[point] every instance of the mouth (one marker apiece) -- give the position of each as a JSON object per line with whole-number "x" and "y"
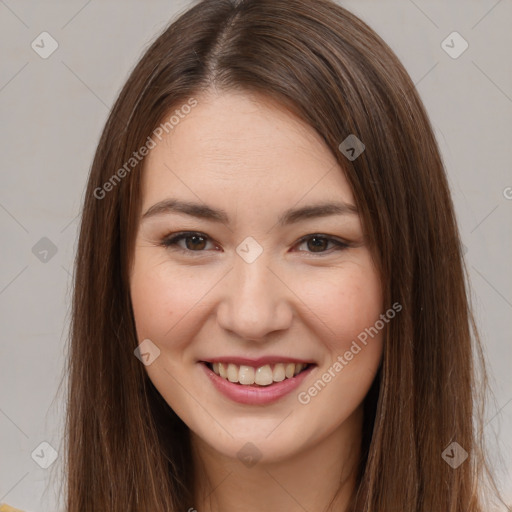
{"x": 257, "y": 376}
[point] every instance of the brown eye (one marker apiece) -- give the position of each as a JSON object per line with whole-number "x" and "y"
{"x": 319, "y": 243}
{"x": 194, "y": 242}
{"x": 197, "y": 243}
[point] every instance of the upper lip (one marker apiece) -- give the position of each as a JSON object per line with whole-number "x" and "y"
{"x": 257, "y": 362}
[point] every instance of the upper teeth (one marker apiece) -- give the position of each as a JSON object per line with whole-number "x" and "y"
{"x": 264, "y": 375}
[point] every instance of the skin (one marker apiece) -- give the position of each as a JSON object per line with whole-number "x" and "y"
{"x": 247, "y": 155}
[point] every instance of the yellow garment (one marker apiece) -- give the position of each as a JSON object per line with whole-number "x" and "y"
{"x": 7, "y": 508}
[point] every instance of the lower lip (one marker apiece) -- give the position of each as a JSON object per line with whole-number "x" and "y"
{"x": 256, "y": 395}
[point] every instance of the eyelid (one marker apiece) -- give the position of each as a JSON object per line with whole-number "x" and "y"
{"x": 170, "y": 242}
{"x": 330, "y": 238}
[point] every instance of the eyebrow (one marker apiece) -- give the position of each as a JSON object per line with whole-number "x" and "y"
{"x": 290, "y": 216}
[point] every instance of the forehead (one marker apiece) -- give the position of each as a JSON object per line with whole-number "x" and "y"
{"x": 240, "y": 143}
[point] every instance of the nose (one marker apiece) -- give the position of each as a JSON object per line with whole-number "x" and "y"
{"x": 256, "y": 301}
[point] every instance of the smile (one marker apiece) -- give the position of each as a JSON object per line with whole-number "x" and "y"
{"x": 257, "y": 376}
{"x": 257, "y": 382}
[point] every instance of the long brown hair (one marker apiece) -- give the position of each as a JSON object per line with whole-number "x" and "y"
{"x": 126, "y": 449}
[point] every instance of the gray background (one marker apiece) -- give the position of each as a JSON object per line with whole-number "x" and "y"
{"x": 53, "y": 111}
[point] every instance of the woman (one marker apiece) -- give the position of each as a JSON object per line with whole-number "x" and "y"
{"x": 270, "y": 308}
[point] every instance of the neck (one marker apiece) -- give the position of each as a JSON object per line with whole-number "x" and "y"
{"x": 317, "y": 478}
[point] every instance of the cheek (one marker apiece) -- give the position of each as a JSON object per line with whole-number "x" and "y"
{"x": 167, "y": 301}
{"x": 159, "y": 297}
{"x": 349, "y": 305}
{"x": 344, "y": 302}
{"x": 341, "y": 302}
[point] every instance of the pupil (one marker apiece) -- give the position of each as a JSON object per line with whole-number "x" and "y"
{"x": 315, "y": 242}
{"x": 318, "y": 245}
{"x": 195, "y": 238}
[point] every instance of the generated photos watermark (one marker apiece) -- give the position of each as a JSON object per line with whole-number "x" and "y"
{"x": 304, "y": 397}
{"x": 138, "y": 156}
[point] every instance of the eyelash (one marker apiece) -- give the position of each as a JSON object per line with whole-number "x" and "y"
{"x": 171, "y": 241}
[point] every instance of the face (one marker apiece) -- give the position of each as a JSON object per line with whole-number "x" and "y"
{"x": 254, "y": 302}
